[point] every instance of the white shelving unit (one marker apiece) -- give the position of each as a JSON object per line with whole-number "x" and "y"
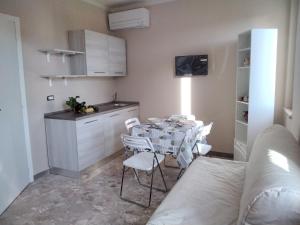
{"x": 255, "y": 78}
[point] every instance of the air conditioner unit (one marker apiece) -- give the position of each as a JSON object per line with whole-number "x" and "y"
{"x": 135, "y": 18}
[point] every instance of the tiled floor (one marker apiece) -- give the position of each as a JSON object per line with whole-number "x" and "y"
{"x": 92, "y": 200}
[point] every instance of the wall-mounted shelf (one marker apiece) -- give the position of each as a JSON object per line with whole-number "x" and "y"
{"x": 61, "y": 52}
{"x": 242, "y": 102}
{"x": 64, "y": 77}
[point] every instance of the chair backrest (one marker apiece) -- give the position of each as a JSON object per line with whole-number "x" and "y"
{"x": 131, "y": 123}
{"x": 204, "y": 131}
{"x": 137, "y": 143}
{"x": 182, "y": 117}
{"x": 185, "y": 155}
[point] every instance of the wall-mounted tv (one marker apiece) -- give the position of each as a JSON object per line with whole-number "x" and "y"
{"x": 191, "y": 65}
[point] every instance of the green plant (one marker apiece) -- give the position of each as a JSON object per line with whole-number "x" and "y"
{"x": 74, "y": 105}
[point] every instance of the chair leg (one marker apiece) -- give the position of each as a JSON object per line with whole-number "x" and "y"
{"x": 161, "y": 173}
{"x": 198, "y": 151}
{"x": 151, "y": 184}
{"x": 151, "y": 187}
{"x": 123, "y": 173}
{"x": 180, "y": 173}
{"x": 150, "y": 195}
{"x": 137, "y": 177}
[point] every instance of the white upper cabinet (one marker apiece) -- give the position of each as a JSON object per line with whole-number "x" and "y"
{"x": 96, "y": 53}
{"x": 104, "y": 55}
{"x": 117, "y": 56}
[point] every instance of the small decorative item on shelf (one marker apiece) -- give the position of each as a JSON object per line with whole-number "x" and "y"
{"x": 79, "y": 107}
{"x": 247, "y": 60}
{"x": 244, "y": 98}
{"x": 245, "y": 115}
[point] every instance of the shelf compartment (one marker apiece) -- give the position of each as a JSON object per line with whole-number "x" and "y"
{"x": 244, "y": 40}
{"x": 241, "y": 132}
{"x": 244, "y": 55}
{"x": 240, "y": 109}
{"x": 242, "y": 83}
{"x": 240, "y": 150}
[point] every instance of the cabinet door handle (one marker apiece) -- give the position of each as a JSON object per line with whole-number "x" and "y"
{"x": 132, "y": 110}
{"x": 99, "y": 72}
{"x": 92, "y": 121}
{"x": 114, "y": 115}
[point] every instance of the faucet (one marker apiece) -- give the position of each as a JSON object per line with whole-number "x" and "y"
{"x": 115, "y": 97}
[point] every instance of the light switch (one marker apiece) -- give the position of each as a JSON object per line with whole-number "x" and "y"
{"x": 50, "y": 98}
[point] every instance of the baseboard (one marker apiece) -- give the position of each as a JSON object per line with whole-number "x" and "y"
{"x": 40, "y": 174}
{"x": 64, "y": 172}
{"x": 221, "y": 154}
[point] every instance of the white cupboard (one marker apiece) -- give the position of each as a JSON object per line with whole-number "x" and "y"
{"x": 76, "y": 145}
{"x": 117, "y": 56}
{"x": 105, "y": 55}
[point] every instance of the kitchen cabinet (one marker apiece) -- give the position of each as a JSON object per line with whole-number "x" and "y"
{"x": 90, "y": 141}
{"x": 74, "y": 145}
{"x": 114, "y": 125}
{"x": 117, "y": 56}
{"x": 105, "y": 55}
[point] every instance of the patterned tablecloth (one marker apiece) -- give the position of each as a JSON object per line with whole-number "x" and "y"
{"x": 171, "y": 137}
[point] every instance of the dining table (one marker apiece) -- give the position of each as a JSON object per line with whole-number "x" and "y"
{"x": 171, "y": 137}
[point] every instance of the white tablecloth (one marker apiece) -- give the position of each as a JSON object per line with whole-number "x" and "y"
{"x": 171, "y": 137}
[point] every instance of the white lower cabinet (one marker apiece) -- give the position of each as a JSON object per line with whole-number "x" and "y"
{"x": 76, "y": 145}
{"x": 90, "y": 141}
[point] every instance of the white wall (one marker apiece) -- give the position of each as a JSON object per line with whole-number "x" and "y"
{"x": 44, "y": 24}
{"x": 295, "y": 123}
{"x": 199, "y": 27}
{"x": 181, "y": 27}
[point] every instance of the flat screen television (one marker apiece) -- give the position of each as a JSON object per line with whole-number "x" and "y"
{"x": 191, "y": 65}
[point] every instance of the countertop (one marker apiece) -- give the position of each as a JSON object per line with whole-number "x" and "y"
{"x": 102, "y": 109}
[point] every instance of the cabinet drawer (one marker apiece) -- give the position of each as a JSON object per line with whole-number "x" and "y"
{"x": 91, "y": 121}
{"x": 132, "y": 112}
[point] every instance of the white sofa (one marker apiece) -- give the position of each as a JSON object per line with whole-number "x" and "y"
{"x": 264, "y": 191}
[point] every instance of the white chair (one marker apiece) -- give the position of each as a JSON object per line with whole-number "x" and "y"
{"x": 201, "y": 147}
{"x": 146, "y": 160}
{"x": 182, "y": 117}
{"x": 130, "y": 123}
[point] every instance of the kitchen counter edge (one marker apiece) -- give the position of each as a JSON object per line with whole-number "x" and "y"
{"x": 70, "y": 115}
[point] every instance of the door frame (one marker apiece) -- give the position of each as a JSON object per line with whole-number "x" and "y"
{"x": 16, "y": 21}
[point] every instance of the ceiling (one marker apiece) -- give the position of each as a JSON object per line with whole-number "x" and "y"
{"x": 112, "y": 4}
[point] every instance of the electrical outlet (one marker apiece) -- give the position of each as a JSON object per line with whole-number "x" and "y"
{"x": 50, "y": 98}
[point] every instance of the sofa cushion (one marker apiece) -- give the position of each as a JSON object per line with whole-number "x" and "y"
{"x": 271, "y": 192}
{"x": 207, "y": 194}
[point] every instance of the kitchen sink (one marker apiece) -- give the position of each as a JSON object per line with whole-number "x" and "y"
{"x": 120, "y": 104}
